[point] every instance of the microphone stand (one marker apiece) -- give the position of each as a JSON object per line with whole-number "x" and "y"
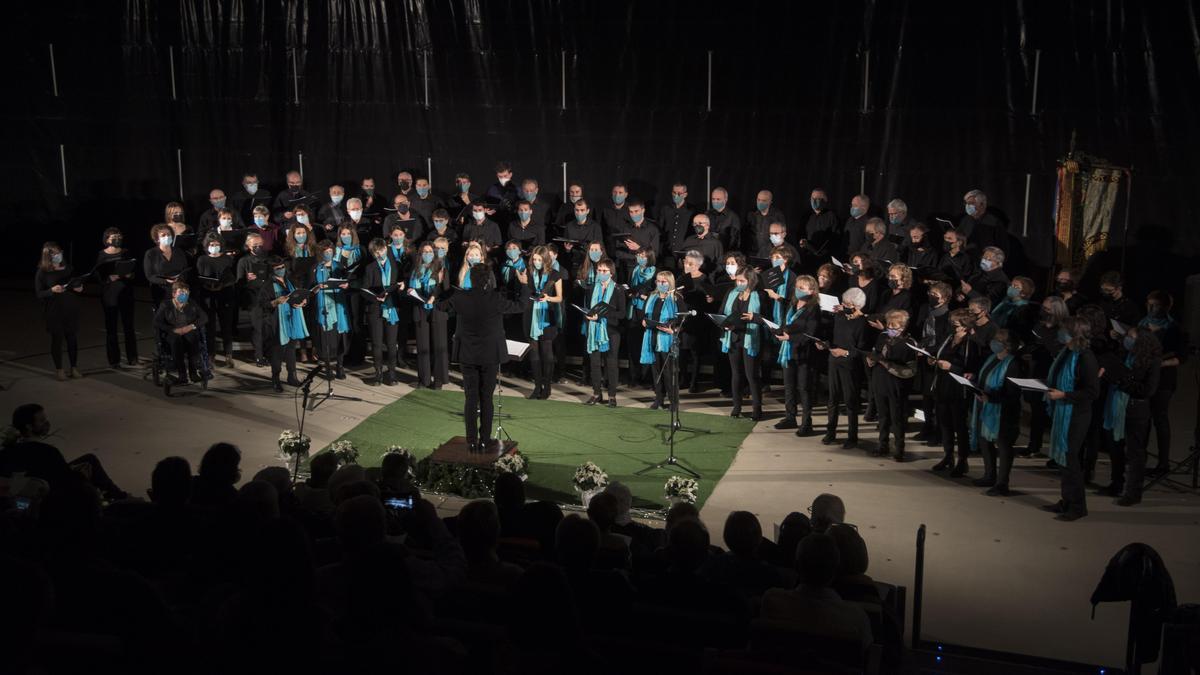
{"x": 674, "y": 426}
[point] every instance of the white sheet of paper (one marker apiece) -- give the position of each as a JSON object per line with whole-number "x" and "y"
{"x": 918, "y": 350}
{"x": 1118, "y": 326}
{"x": 770, "y": 324}
{"x": 1027, "y": 383}
{"x": 837, "y": 263}
{"x": 417, "y": 296}
{"x": 919, "y": 414}
{"x": 579, "y": 308}
{"x": 828, "y": 302}
{"x": 718, "y": 318}
{"x": 516, "y": 349}
{"x": 963, "y": 381}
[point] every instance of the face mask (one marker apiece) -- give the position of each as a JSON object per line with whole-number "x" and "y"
{"x": 260, "y": 221}
{"x": 214, "y": 250}
{"x": 762, "y": 206}
{"x": 301, "y": 237}
{"x": 524, "y": 216}
{"x": 251, "y": 188}
{"x": 574, "y": 198}
{"x": 934, "y": 300}
{"x": 225, "y": 223}
{"x": 402, "y": 209}
{"x": 892, "y": 283}
{"x": 478, "y": 216}
{"x": 580, "y": 218}
{"x": 637, "y": 217}
{"x": 439, "y": 224}
{"x": 335, "y": 199}
{"x": 731, "y": 270}
{"x": 422, "y": 192}
{"x": 503, "y": 181}
{"x": 856, "y": 211}
{"x": 816, "y": 203}
{"x": 302, "y": 219}
{"x": 256, "y": 250}
{"x": 776, "y": 239}
{"x": 368, "y": 191}
{"x": 1063, "y": 336}
{"x": 892, "y": 332}
{"x": 946, "y": 246}
{"x": 603, "y": 277}
{"x": 896, "y": 219}
{"x": 280, "y": 272}
{"x": 594, "y": 256}
{"x": 328, "y": 255}
{"x": 217, "y": 203}
{"x": 971, "y": 210}
{"x": 538, "y": 265}
{"x": 355, "y": 214}
{"x": 700, "y": 230}
{"x": 473, "y": 259}
{"x": 381, "y": 258}
{"x": 427, "y": 257}
{"x": 778, "y": 263}
{"x": 986, "y": 265}
{"x": 741, "y": 287}
{"x": 293, "y": 189}
{"x": 441, "y": 252}
{"x": 397, "y": 239}
{"x": 664, "y": 287}
{"x": 1064, "y": 286}
{"x": 182, "y": 298}
{"x": 405, "y": 184}
{"x": 642, "y": 260}
{"x": 1156, "y": 311}
{"x": 801, "y": 294}
{"x": 848, "y": 310}
{"x": 1013, "y": 293}
{"x": 1128, "y": 341}
{"x": 618, "y": 199}
{"x": 115, "y": 242}
{"x": 463, "y": 187}
{"x": 718, "y": 204}
{"x": 165, "y": 240}
{"x": 346, "y": 239}
{"x": 677, "y": 199}
{"x": 56, "y": 258}
{"x": 996, "y": 346}
{"x": 513, "y": 253}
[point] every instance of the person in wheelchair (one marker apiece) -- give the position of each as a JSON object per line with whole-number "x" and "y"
{"x": 180, "y": 321}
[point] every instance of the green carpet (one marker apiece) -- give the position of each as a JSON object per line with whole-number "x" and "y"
{"x": 557, "y": 436}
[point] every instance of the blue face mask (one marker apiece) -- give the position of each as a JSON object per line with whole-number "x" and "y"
{"x": 280, "y": 272}
{"x": 603, "y": 277}
{"x": 439, "y": 224}
{"x": 441, "y": 252}
{"x": 896, "y": 219}
{"x": 301, "y": 237}
{"x": 594, "y": 256}
{"x": 816, "y": 203}
{"x": 801, "y": 293}
{"x": 328, "y": 255}
{"x": 260, "y": 221}
{"x": 538, "y": 264}
{"x": 513, "y": 253}
{"x": 857, "y": 211}
{"x": 56, "y": 258}
{"x": 741, "y": 287}
{"x": 618, "y": 199}
{"x": 996, "y": 346}
{"x": 335, "y": 199}
{"x": 637, "y": 217}
{"x": 218, "y": 203}
{"x": 427, "y": 257}
{"x": 182, "y": 298}
{"x": 778, "y": 263}
{"x": 642, "y": 260}
{"x": 986, "y": 265}
{"x": 1128, "y": 341}
{"x": 166, "y": 240}
{"x": 422, "y": 192}
{"x": 1013, "y": 293}
{"x": 1063, "y": 336}
{"x": 971, "y": 210}
{"x": 347, "y": 239}
{"x": 677, "y": 199}
{"x": 524, "y": 215}
{"x": 718, "y": 204}
{"x": 580, "y": 218}
{"x": 892, "y": 332}
{"x": 664, "y": 287}
{"x": 463, "y": 187}
{"x": 761, "y": 205}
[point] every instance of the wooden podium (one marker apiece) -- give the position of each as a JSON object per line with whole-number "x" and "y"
{"x": 456, "y": 451}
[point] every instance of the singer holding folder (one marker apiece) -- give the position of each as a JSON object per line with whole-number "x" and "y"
{"x": 1074, "y": 383}
{"x": 216, "y": 294}
{"x": 54, "y": 286}
{"x": 381, "y": 280}
{"x": 114, "y": 270}
{"x": 332, "y": 308}
{"x": 479, "y": 348}
{"x": 602, "y": 330}
{"x": 425, "y": 284}
{"x": 545, "y": 290}
{"x": 283, "y": 322}
{"x": 661, "y": 321}
{"x": 797, "y": 327}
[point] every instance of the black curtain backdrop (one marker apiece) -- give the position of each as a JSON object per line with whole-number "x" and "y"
{"x": 912, "y": 99}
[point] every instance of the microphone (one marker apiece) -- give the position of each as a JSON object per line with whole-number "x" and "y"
{"x": 690, "y": 312}
{"x": 312, "y": 374}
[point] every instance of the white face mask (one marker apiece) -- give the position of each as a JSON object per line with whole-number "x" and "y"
{"x": 335, "y": 199}
{"x": 303, "y": 220}
{"x": 226, "y": 224}
{"x": 251, "y": 187}
{"x": 776, "y": 239}
{"x": 356, "y": 214}
{"x": 478, "y": 215}
{"x": 214, "y": 250}
{"x": 731, "y": 270}
{"x": 504, "y": 181}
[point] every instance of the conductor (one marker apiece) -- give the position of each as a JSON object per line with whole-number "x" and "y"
{"x": 479, "y": 348}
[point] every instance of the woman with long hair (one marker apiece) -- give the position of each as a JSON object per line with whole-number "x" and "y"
{"x": 605, "y": 305}
{"x": 54, "y": 286}
{"x": 429, "y": 323}
{"x": 1042, "y": 348}
{"x": 116, "y": 298}
{"x": 662, "y": 306}
{"x": 545, "y": 287}
{"x": 741, "y": 340}
{"x": 797, "y": 323}
{"x": 996, "y": 413}
{"x": 1074, "y": 382}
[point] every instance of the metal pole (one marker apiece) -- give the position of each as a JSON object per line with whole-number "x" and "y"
{"x": 862, "y": 179}
{"x": 563, "y": 72}
{"x": 53, "y": 71}
{"x": 295, "y": 80}
{"x": 301, "y": 169}
{"x": 171, "y": 59}
{"x": 918, "y": 586}
{"x": 708, "y": 182}
{"x": 179, "y": 169}
{"x": 425, "y": 62}
{"x": 708, "y": 106}
{"x": 1037, "y": 67}
{"x": 866, "y": 77}
{"x": 1128, "y": 202}
{"x": 1025, "y": 225}
{"x": 566, "y": 197}
{"x": 62, "y": 158}
{"x": 429, "y": 169}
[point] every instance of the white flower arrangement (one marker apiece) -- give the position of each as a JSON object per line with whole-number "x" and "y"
{"x": 345, "y": 452}
{"x": 511, "y": 463}
{"x": 589, "y": 477}
{"x": 294, "y": 443}
{"x": 409, "y": 459}
{"x": 681, "y": 489}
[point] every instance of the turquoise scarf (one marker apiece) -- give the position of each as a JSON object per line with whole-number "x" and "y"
{"x": 785, "y": 347}
{"x": 331, "y": 305}
{"x": 750, "y": 341}
{"x": 1002, "y": 312}
{"x": 782, "y": 291}
{"x": 985, "y": 416}
{"x": 541, "y": 308}
{"x": 291, "y": 319}
{"x": 662, "y": 341}
{"x": 511, "y": 268}
{"x": 639, "y": 276}
{"x": 597, "y": 331}
{"x": 344, "y": 263}
{"x": 1062, "y": 378}
{"x": 1160, "y": 324}
{"x": 422, "y": 280}
{"x": 388, "y": 306}
{"x": 466, "y": 282}
{"x": 1115, "y": 406}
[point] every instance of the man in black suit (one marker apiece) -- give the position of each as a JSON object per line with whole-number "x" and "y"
{"x": 479, "y": 348}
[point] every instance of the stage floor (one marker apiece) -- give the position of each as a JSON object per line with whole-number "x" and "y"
{"x": 1000, "y": 573}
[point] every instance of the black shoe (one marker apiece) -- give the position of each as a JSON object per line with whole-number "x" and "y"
{"x": 694, "y": 388}
{"x": 293, "y": 381}
{"x": 933, "y": 441}
{"x": 946, "y": 463}
{"x": 882, "y": 450}
{"x": 656, "y": 404}
{"x": 391, "y": 380}
{"x": 984, "y": 481}
{"x": 960, "y": 469}
{"x": 595, "y": 398}
{"x": 998, "y": 491}
{"x": 1056, "y": 507}
{"x": 341, "y": 373}
{"x": 806, "y": 429}
{"x": 850, "y": 444}
{"x": 898, "y": 456}
{"x": 870, "y": 417}
{"x": 1127, "y": 500}
{"x": 787, "y": 423}
{"x": 545, "y": 392}
{"x": 437, "y": 386}
{"x": 828, "y": 439}
{"x": 535, "y": 394}
{"x": 612, "y": 401}
{"x": 1051, "y": 464}
{"x": 260, "y": 362}
{"x": 1070, "y": 516}
{"x": 277, "y": 386}
{"x": 756, "y": 415}
{"x": 736, "y": 412}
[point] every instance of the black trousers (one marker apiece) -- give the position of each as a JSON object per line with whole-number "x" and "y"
{"x": 1074, "y": 497}
{"x": 796, "y": 379}
{"x": 258, "y": 329}
{"x": 953, "y": 412}
{"x": 56, "y": 344}
{"x": 479, "y": 383}
{"x": 843, "y": 390}
{"x": 281, "y": 354}
{"x": 1160, "y": 405}
{"x": 663, "y": 378}
{"x": 221, "y": 308}
{"x": 606, "y": 364}
{"x": 185, "y": 351}
{"x": 741, "y": 363}
{"x": 122, "y": 310}
{"x": 633, "y": 345}
{"x": 541, "y": 361}
{"x": 1039, "y": 420}
{"x": 1094, "y": 441}
{"x": 332, "y": 345}
{"x": 383, "y": 338}
{"x": 891, "y": 399}
{"x": 433, "y": 359}
{"x": 997, "y": 459}
{"x": 1129, "y": 454}
{"x": 358, "y": 330}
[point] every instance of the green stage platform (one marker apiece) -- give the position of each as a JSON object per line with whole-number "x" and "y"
{"x": 557, "y": 436}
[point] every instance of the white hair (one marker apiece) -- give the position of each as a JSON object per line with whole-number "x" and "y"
{"x": 352, "y": 202}
{"x": 980, "y": 198}
{"x": 854, "y": 297}
{"x": 898, "y": 204}
{"x": 997, "y": 254}
{"x": 696, "y": 257}
{"x": 863, "y": 198}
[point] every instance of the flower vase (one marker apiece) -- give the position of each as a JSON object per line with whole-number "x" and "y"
{"x": 585, "y": 496}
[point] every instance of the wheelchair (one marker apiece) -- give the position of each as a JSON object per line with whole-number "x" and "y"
{"x": 163, "y": 366}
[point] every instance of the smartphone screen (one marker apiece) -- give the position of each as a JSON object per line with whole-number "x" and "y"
{"x": 398, "y": 502}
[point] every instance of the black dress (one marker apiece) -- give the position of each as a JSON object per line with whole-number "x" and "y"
{"x": 59, "y": 310}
